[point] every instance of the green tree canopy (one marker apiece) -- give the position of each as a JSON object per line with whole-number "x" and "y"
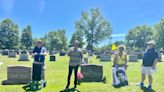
{"x": 26, "y": 37}
{"x": 95, "y": 27}
{"x": 9, "y": 35}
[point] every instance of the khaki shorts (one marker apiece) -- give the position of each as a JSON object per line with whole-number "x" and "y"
{"x": 148, "y": 70}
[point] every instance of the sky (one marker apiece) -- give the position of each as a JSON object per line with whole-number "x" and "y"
{"x": 48, "y": 15}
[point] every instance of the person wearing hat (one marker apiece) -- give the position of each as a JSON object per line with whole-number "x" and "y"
{"x": 76, "y": 56}
{"x": 148, "y": 66}
{"x": 39, "y": 52}
{"x": 120, "y": 58}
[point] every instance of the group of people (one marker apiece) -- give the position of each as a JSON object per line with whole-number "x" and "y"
{"x": 148, "y": 66}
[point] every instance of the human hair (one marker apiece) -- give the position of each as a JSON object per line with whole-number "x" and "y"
{"x": 119, "y": 71}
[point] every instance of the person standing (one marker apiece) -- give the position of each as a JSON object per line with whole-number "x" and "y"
{"x": 39, "y": 52}
{"x": 120, "y": 58}
{"x": 76, "y": 56}
{"x": 148, "y": 66}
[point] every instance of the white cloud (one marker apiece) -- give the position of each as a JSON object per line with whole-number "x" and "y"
{"x": 119, "y": 35}
{"x": 7, "y": 5}
{"x": 42, "y": 6}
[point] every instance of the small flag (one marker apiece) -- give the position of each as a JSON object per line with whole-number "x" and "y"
{"x": 114, "y": 47}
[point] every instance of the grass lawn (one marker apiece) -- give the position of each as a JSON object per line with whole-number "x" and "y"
{"x": 56, "y": 76}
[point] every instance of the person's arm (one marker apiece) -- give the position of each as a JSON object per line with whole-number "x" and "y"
{"x": 33, "y": 52}
{"x": 155, "y": 61}
{"x": 115, "y": 60}
{"x": 44, "y": 52}
{"x": 126, "y": 61}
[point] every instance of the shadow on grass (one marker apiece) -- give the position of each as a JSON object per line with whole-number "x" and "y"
{"x": 70, "y": 90}
{"x": 147, "y": 90}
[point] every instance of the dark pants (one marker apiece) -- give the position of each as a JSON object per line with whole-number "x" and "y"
{"x": 70, "y": 73}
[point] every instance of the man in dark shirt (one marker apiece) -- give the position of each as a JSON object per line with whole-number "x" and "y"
{"x": 39, "y": 53}
{"x": 149, "y": 63}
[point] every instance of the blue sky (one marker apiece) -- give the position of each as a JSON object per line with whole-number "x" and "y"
{"x": 47, "y": 15}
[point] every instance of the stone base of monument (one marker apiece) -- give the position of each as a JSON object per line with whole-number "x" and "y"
{"x": 133, "y": 58}
{"x": 92, "y": 73}
{"x": 105, "y": 57}
{"x": 18, "y": 75}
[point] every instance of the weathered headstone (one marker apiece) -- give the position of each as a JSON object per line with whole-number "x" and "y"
{"x": 12, "y": 54}
{"x": 52, "y": 58}
{"x": 5, "y": 52}
{"x": 23, "y": 57}
{"x": 90, "y": 53}
{"x": 133, "y": 58}
{"x": 160, "y": 57}
{"x": 86, "y": 60}
{"x": 62, "y": 53}
{"x": 18, "y": 75}
{"x": 92, "y": 73}
{"x": 105, "y": 57}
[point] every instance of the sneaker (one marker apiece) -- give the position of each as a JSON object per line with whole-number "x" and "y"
{"x": 149, "y": 87}
{"x": 141, "y": 84}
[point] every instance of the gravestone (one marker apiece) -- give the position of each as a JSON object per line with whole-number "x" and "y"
{"x": 92, "y": 73}
{"x": 23, "y": 57}
{"x": 90, "y": 53}
{"x": 0, "y": 51}
{"x": 84, "y": 51}
{"x": 5, "y": 52}
{"x": 133, "y": 58}
{"x": 12, "y": 54}
{"x": 52, "y": 58}
{"x": 18, "y": 75}
{"x": 51, "y": 52}
{"x": 105, "y": 57}
{"x": 24, "y": 52}
{"x": 85, "y": 60}
{"x": 62, "y": 53}
{"x": 160, "y": 57}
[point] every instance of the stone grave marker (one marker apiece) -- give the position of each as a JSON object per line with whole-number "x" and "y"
{"x": 5, "y": 52}
{"x": 92, "y": 73}
{"x": 133, "y": 58}
{"x": 52, "y": 58}
{"x": 105, "y": 57}
{"x": 18, "y": 75}
{"x": 23, "y": 57}
{"x": 86, "y": 61}
{"x": 12, "y": 54}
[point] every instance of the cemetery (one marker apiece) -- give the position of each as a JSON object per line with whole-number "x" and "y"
{"x": 81, "y": 46}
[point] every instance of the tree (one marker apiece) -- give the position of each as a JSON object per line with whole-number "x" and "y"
{"x": 138, "y": 36}
{"x": 26, "y": 37}
{"x": 159, "y": 29}
{"x": 77, "y": 35}
{"x": 96, "y": 29}
{"x": 56, "y": 39}
{"x": 9, "y": 35}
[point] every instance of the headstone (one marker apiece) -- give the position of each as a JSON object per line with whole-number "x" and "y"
{"x": 18, "y": 75}
{"x": 90, "y": 53}
{"x": 0, "y": 51}
{"x": 51, "y": 52}
{"x": 133, "y": 58}
{"x": 85, "y": 60}
{"x": 23, "y": 57}
{"x": 12, "y": 54}
{"x": 52, "y": 58}
{"x": 92, "y": 73}
{"x": 62, "y": 53}
{"x": 5, "y": 52}
{"x": 105, "y": 57}
{"x": 24, "y": 52}
{"x": 84, "y": 52}
{"x": 160, "y": 57}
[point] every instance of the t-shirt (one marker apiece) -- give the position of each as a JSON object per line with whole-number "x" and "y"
{"x": 149, "y": 57}
{"x": 75, "y": 57}
{"x": 39, "y": 58}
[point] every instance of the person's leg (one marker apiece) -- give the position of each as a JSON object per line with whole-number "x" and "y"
{"x": 43, "y": 72}
{"x": 75, "y": 73}
{"x": 69, "y": 76}
{"x": 150, "y": 81}
{"x": 143, "y": 78}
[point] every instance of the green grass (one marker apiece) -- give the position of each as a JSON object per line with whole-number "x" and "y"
{"x": 56, "y": 76}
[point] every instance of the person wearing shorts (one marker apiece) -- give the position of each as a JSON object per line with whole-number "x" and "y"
{"x": 148, "y": 66}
